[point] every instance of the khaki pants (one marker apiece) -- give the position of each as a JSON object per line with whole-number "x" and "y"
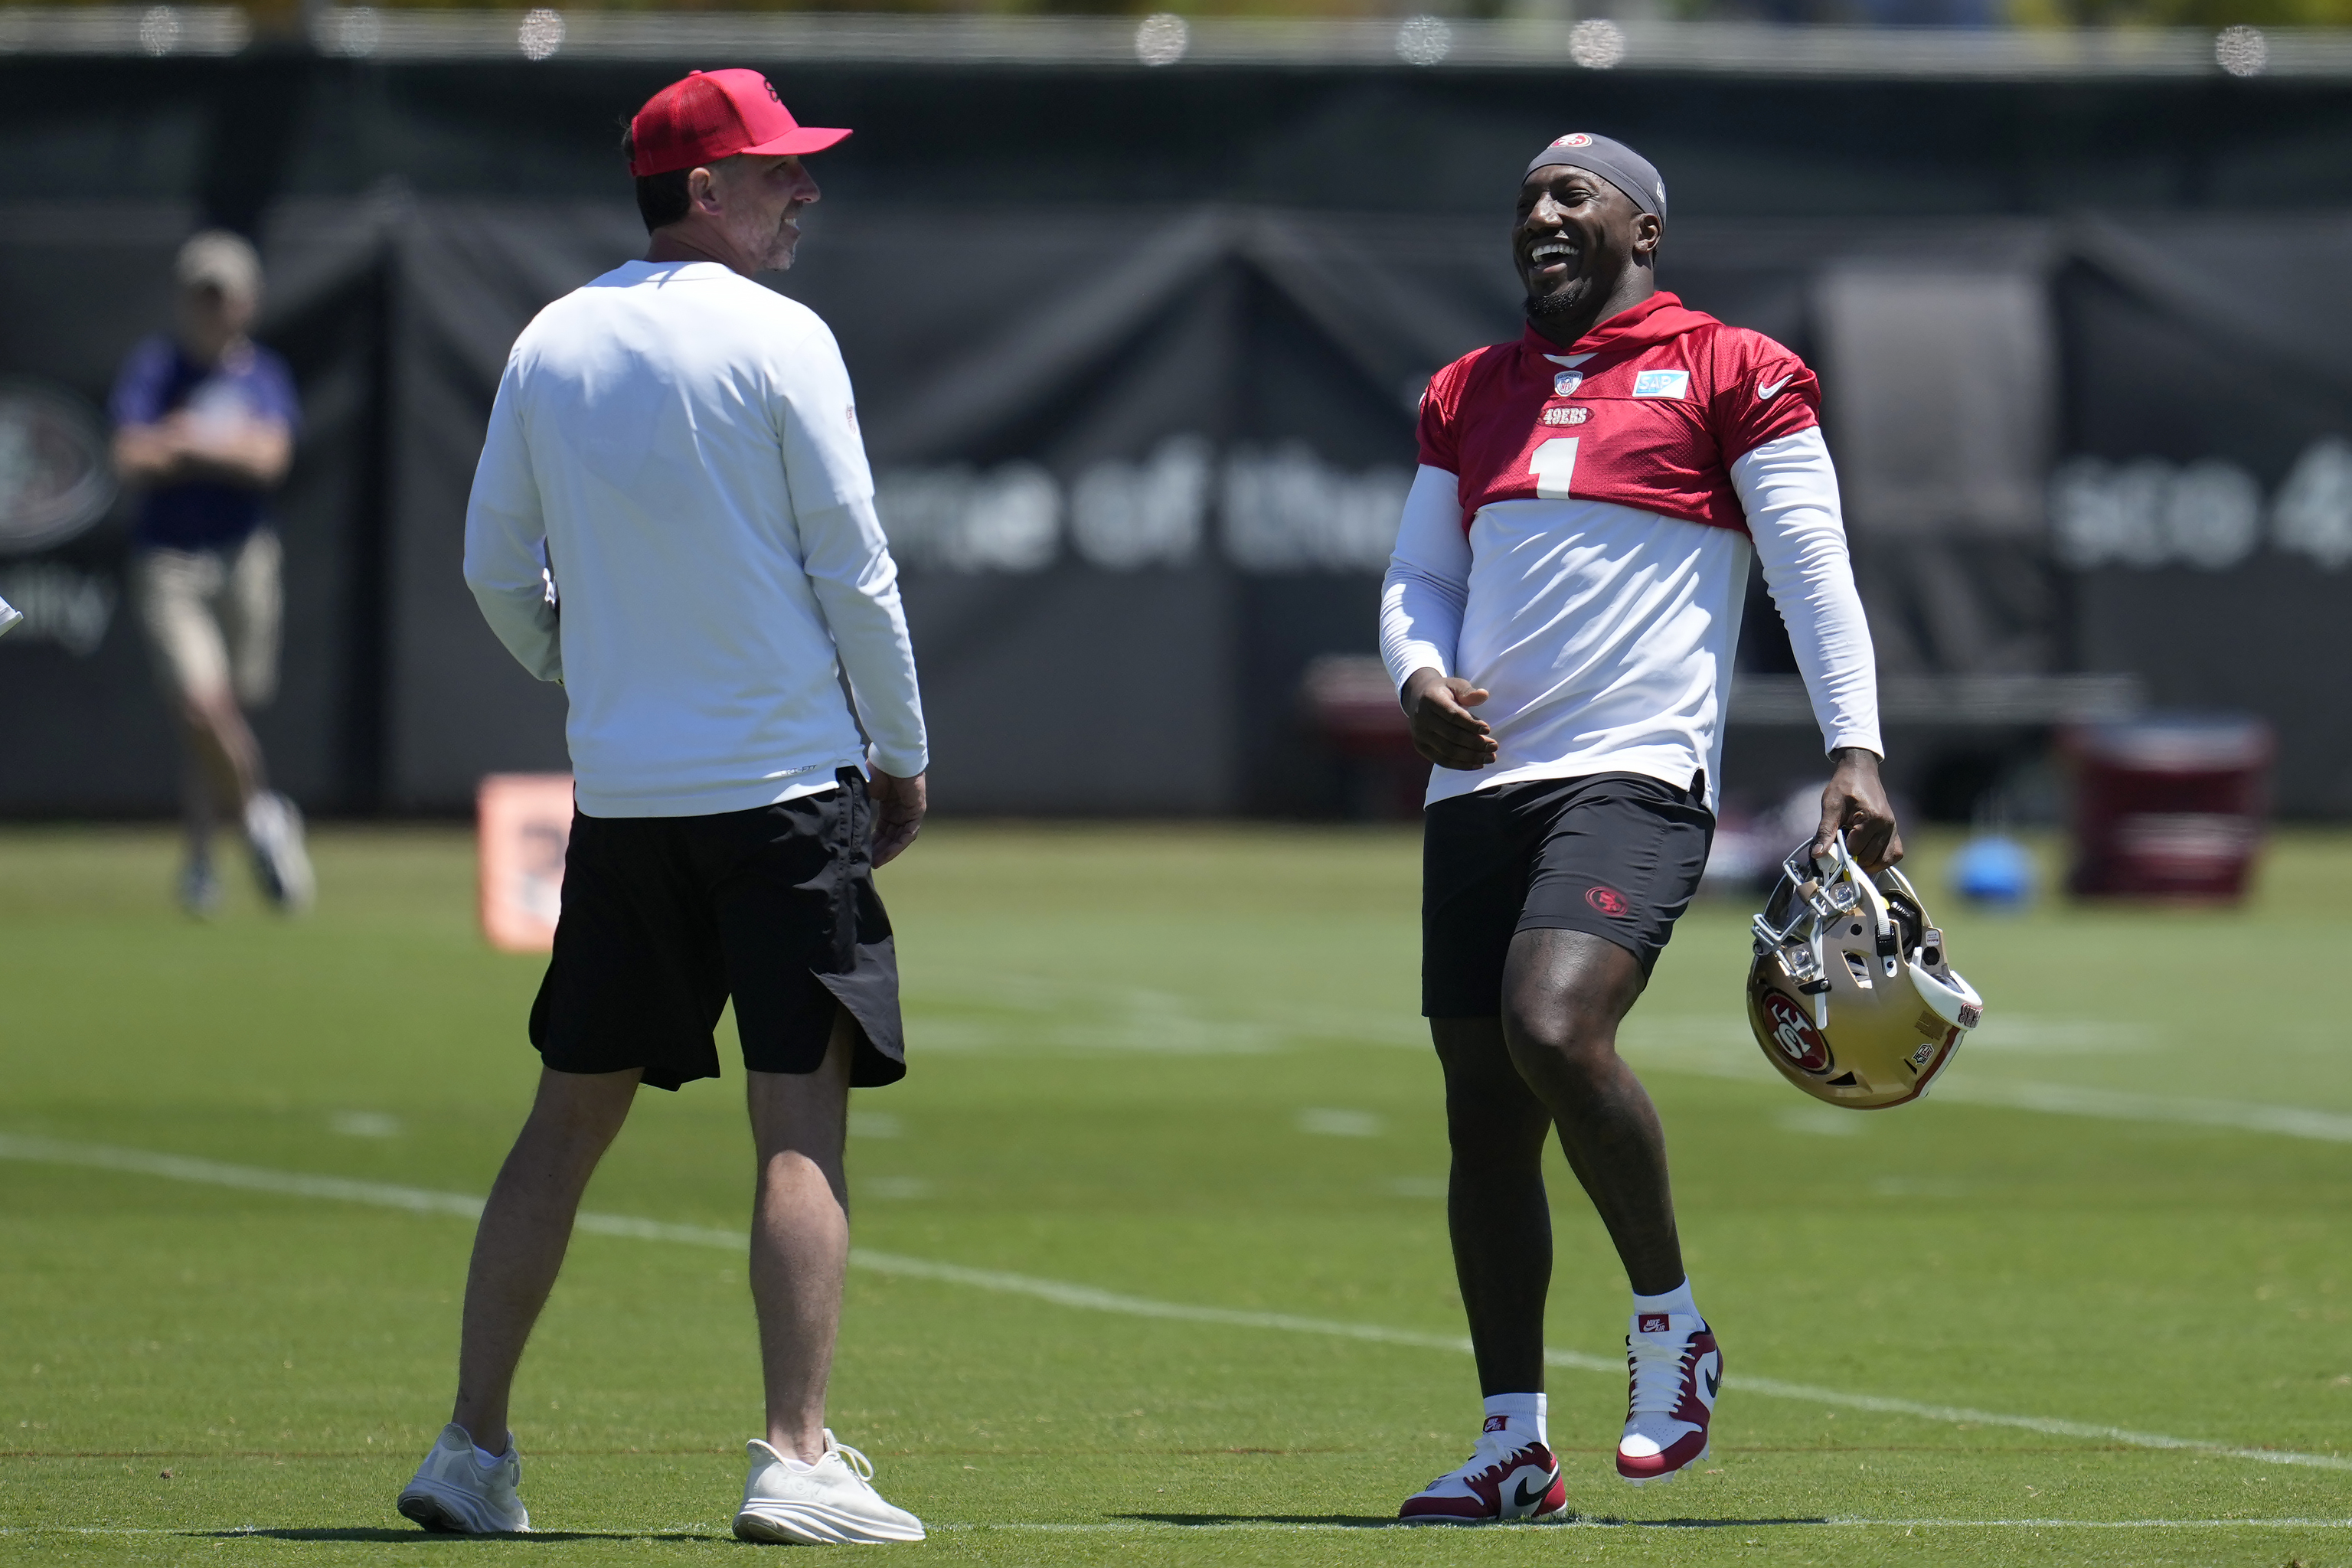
{"x": 212, "y": 618}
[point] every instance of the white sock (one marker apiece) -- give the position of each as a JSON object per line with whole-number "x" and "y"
{"x": 489, "y": 1460}
{"x": 1678, "y": 1300}
{"x": 1521, "y": 1415}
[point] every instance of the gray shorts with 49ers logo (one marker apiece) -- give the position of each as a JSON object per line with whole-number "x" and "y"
{"x": 1616, "y": 855}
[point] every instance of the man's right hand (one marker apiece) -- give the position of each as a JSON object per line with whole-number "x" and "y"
{"x": 899, "y": 808}
{"x": 1437, "y": 708}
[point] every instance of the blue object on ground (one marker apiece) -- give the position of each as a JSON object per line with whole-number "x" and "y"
{"x": 1991, "y": 869}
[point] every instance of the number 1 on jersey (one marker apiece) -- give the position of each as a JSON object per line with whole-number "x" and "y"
{"x": 1553, "y": 464}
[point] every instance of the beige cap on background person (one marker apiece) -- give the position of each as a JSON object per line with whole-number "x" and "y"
{"x": 219, "y": 259}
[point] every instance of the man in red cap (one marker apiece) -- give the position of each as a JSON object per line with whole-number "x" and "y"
{"x": 673, "y": 517}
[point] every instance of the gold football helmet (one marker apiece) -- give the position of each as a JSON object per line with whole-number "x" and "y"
{"x": 1852, "y": 996}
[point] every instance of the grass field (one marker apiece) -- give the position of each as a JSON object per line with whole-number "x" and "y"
{"x": 1173, "y": 1130}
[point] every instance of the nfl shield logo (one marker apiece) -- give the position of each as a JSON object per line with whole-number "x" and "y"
{"x": 1565, "y": 383}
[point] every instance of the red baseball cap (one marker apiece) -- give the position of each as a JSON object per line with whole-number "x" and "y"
{"x": 712, "y": 115}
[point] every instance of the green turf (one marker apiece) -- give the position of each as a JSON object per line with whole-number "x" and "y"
{"x": 1118, "y": 1035}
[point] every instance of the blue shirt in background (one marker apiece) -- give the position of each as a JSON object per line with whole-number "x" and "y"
{"x": 159, "y": 380}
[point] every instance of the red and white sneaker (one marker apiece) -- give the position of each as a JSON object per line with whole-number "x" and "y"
{"x": 1505, "y": 1477}
{"x": 1674, "y": 1372}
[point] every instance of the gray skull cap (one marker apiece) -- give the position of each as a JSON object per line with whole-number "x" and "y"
{"x": 1613, "y": 162}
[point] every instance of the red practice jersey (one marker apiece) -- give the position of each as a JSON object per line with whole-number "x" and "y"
{"x": 1649, "y": 410}
{"x": 1578, "y": 540}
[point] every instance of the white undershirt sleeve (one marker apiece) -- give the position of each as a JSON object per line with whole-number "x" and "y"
{"x": 506, "y": 544}
{"x": 1428, "y": 583}
{"x": 856, "y": 585}
{"x": 1789, "y": 488}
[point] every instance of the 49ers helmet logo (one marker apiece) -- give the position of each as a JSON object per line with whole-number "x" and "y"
{"x": 1794, "y": 1034}
{"x": 1608, "y": 902}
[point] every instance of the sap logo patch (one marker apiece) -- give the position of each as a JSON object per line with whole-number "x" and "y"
{"x": 1565, "y": 383}
{"x": 1574, "y": 139}
{"x": 1567, "y": 415}
{"x": 1662, "y": 383}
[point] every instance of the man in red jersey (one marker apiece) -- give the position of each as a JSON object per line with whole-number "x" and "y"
{"x": 1560, "y": 617}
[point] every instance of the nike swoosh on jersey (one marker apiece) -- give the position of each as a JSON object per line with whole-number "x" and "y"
{"x": 1765, "y": 391}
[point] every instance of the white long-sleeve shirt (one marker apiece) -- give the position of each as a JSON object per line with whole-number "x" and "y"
{"x": 1605, "y": 633}
{"x": 673, "y": 516}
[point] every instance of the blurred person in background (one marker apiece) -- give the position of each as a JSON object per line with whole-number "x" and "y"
{"x": 205, "y": 421}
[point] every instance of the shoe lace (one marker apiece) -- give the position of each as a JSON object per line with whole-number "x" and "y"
{"x": 1471, "y": 1469}
{"x": 1659, "y": 1369}
{"x": 859, "y": 1465}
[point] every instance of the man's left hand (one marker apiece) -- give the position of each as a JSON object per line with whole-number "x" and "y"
{"x": 1856, "y": 803}
{"x": 899, "y": 808}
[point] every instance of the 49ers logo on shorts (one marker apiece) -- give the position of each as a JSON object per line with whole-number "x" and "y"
{"x": 1794, "y": 1034}
{"x": 1608, "y": 902}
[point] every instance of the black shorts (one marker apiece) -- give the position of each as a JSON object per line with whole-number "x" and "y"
{"x": 664, "y": 918}
{"x": 1615, "y": 855}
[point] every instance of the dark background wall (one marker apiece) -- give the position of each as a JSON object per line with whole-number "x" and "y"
{"x": 1136, "y": 354}
{"x": 234, "y": 134}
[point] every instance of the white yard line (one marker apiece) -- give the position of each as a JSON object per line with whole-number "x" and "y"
{"x": 701, "y": 1528}
{"x": 1125, "y": 1526}
{"x": 2054, "y": 1099}
{"x": 1084, "y": 1298}
{"x": 2123, "y": 1105}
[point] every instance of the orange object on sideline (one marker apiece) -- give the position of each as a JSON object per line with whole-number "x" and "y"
{"x": 525, "y": 825}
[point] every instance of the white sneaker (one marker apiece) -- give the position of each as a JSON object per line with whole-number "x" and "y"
{"x": 1508, "y": 1475}
{"x": 273, "y": 825}
{"x": 1675, "y": 1371}
{"x": 199, "y": 889}
{"x": 454, "y": 1494}
{"x": 832, "y": 1502}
